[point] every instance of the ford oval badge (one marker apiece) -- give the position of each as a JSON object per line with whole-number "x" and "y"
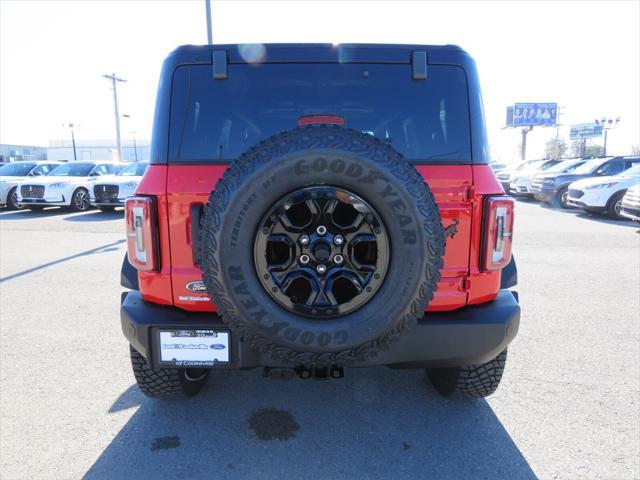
{"x": 196, "y": 287}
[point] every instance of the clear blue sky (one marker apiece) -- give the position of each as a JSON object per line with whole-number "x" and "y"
{"x": 583, "y": 55}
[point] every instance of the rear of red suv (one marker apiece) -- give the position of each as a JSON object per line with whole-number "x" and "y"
{"x": 318, "y": 207}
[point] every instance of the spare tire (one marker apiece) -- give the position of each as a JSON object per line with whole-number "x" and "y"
{"x": 321, "y": 245}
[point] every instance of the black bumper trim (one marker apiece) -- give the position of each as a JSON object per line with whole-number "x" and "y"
{"x": 112, "y": 203}
{"x": 474, "y": 334}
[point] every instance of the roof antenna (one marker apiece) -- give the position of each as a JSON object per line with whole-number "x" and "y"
{"x": 207, "y": 4}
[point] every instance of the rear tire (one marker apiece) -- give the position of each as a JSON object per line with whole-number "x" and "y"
{"x": 614, "y": 206}
{"x": 166, "y": 383}
{"x": 471, "y": 381}
{"x": 12, "y": 200}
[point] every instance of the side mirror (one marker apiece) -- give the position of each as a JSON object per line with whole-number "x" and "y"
{"x": 600, "y": 172}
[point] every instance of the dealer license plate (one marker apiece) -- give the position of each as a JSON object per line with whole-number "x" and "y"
{"x": 193, "y": 348}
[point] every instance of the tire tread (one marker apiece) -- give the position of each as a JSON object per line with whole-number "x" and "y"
{"x": 327, "y": 137}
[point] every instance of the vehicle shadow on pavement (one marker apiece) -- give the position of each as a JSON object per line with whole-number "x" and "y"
{"x": 375, "y": 423}
{"x": 610, "y": 221}
{"x": 109, "y": 247}
{"x": 594, "y": 218}
{"x": 26, "y": 213}
{"x": 96, "y": 216}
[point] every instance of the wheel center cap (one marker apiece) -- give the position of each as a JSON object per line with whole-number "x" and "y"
{"x": 322, "y": 251}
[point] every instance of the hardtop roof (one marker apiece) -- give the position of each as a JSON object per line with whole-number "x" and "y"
{"x": 317, "y": 52}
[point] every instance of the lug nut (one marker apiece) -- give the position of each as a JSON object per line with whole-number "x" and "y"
{"x": 338, "y": 240}
{"x": 304, "y": 259}
{"x": 321, "y": 269}
{"x": 338, "y": 259}
{"x": 304, "y": 240}
{"x": 321, "y": 230}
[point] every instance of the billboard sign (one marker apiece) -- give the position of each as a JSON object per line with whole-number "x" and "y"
{"x": 585, "y": 130}
{"x": 535, "y": 114}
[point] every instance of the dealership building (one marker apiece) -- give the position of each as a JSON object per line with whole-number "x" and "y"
{"x": 87, "y": 150}
{"x": 101, "y": 150}
{"x": 19, "y": 153}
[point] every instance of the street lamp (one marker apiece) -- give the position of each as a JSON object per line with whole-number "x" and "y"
{"x": 133, "y": 132}
{"x": 135, "y": 147}
{"x": 71, "y": 126}
{"x": 607, "y": 124}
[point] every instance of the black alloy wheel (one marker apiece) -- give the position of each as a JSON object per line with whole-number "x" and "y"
{"x": 321, "y": 252}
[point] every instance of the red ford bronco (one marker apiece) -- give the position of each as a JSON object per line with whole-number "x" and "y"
{"x": 313, "y": 207}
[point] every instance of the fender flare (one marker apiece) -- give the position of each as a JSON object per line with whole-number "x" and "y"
{"x": 509, "y": 276}
{"x": 128, "y": 275}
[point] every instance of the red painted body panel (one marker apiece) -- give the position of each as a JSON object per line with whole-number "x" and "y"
{"x": 458, "y": 189}
{"x": 187, "y": 185}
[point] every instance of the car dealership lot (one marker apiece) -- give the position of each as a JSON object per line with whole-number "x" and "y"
{"x": 567, "y": 407}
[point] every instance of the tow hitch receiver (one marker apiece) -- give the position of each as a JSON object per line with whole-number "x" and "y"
{"x": 317, "y": 373}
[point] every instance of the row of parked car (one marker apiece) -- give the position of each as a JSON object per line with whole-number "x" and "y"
{"x": 75, "y": 185}
{"x": 602, "y": 186}
{"x": 609, "y": 186}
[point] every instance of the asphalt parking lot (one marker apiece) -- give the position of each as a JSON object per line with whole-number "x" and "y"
{"x": 568, "y": 406}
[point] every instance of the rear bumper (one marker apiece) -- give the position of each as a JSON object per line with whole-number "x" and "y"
{"x": 43, "y": 201}
{"x": 589, "y": 208}
{"x": 474, "y": 334}
{"x": 112, "y": 202}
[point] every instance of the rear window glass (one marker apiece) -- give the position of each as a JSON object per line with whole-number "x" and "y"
{"x": 217, "y": 120}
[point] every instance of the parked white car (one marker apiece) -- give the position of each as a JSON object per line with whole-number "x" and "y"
{"x": 506, "y": 175}
{"x": 11, "y": 174}
{"x": 630, "y": 207}
{"x": 67, "y": 185}
{"x": 110, "y": 192}
{"x": 603, "y": 194}
{"x": 521, "y": 181}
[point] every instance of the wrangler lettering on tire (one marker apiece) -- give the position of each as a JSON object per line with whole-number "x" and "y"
{"x": 321, "y": 245}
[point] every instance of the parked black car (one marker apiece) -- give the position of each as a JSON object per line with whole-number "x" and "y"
{"x": 554, "y": 188}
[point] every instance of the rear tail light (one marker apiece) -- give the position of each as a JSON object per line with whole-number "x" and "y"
{"x": 498, "y": 232}
{"x": 140, "y": 216}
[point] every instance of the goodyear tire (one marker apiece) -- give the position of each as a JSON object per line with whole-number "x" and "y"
{"x": 166, "y": 383}
{"x": 405, "y": 231}
{"x": 470, "y": 381}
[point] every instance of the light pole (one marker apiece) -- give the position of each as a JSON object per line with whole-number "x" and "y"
{"x": 114, "y": 81}
{"x": 607, "y": 124}
{"x": 133, "y": 132}
{"x": 71, "y": 126}
{"x": 207, "y": 6}
{"x": 135, "y": 147}
{"x": 523, "y": 150}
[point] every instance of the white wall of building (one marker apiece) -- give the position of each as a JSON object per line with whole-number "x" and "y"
{"x": 100, "y": 150}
